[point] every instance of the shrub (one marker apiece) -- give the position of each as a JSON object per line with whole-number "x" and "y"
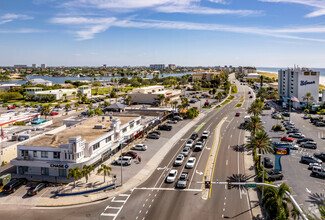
{"x": 22, "y": 123}
{"x": 277, "y": 127}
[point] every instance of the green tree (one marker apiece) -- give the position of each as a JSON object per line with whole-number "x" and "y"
{"x": 256, "y": 108}
{"x": 65, "y": 96}
{"x": 76, "y": 104}
{"x": 45, "y": 110}
{"x": 262, "y": 94}
{"x": 127, "y": 99}
{"x": 308, "y": 97}
{"x": 86, "y": 171}
{"x": 174, "y": 104}
{"x": 219, "y": 96}
{"x": 75, "y": 173}
{"x": 161, "y": 98}
{"x": 185, "y": 102}
{"x": 260, "y": 142}
{"x": 113, "y": 94}
{"x": 79, "y": 95}
{"x": 192, "y": 113}
{"x": 105, "y": 169}
{"x": 67, "y": 106}
{"x": 276, "y": 202}
{"x": 253, "y": 125}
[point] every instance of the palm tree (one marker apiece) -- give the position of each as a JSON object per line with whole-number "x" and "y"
{"x": 106, "y": 169}
{"x": 219, "y": 96}
{"x": 321, "y": 209}
{"x": 76, "y": 104}
{"x": 65, "y": 96}
{"x": 184, "y": 102}
{"x": 255, "y": 124}
{"x": 86, "y": 170}
{"x": 308, "y": 97}
{"x": 256, "y": 108}
{"x": 45, "y": 110}
{"x": 276, "y": 202}
{"x": 174, "y": 104}
{"x": 161, "y": 98}
{"x": 260, "y": 142}
{"x": 67, "y": 106}
{"x": 128, "y": 99}
{"x": 75, "y": 173}
{"x": 79, "y": 95}
{"x": 295, "y": 214}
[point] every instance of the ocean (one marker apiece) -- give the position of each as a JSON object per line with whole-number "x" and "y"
{"x": 275, "y": 70}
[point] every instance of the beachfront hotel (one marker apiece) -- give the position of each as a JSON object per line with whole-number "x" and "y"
{"x": 295, "y": 83}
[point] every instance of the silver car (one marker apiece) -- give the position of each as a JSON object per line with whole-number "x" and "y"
{"x": 179, "y": 160}
{"x": 186, "y": 151}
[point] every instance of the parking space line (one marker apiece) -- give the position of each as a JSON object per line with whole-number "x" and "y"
{"x": 44, "y": 192}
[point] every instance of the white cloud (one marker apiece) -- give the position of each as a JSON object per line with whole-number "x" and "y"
{"x": 89, "y": 27}
{"x": 319, "y": 5}
{"x": 21, "y": 31}
{"x": 9, "y": 17}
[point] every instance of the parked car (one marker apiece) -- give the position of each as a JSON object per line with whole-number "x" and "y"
{"x": 153, "y": 136}
{"x": 297, "y": 135}
{"x": 124, "y": 160}
{"x": 286, "y": 114}
{"x": 311, "y": 165}
{"x": 189, "y": 143}
{"x": 309, "y": 144}
{"x": 294, "y": 147}
{"x": 306, "y": 159}
{"x": 172, "y": 122}
{"x": 156, "y": 132}
{"x": 306, "y": 117}
{"x": 268, "y": 163}
{"x": 320, "y": 155}
{"x": 286, "y": 139}
{"x": 13, "y": 185}
{"x": 178, "y": 118}
{"x": 300, "y": 141}
{"x": 320, "y": 124}
{"x": 318, "y": 172}
{"x": 54, "y": 113}
{"x": 142, "y": 147}
{"x": 37, "y": 188}
{"x": 171, "y": 176}
{"x": 182, "y": 181}
{"x": 194, "y": 136}
{"x": 293, "y": 130}
{"x": 179, "y": 160}
{"x": 130, "y": 154}
{"x": 11, "y": 107}
{"x": 275, "y": 175}
{"x": 190, "y": 163}
{"x": 186, "y": 151}
{"x": 165, "y": 127}
{"x": 205, "y": 134}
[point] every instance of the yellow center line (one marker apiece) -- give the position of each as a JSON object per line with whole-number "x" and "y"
{"x": 215, "y": 159}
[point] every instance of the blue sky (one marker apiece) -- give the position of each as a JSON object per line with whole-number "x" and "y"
{"x": 269, "y": 33}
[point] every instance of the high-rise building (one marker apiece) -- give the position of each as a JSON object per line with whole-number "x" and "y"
{"x": 295, "y": 83}
{"x": 172, "y": 66}
{"x": 43, "y": 66}
{"x": 157, "y": 66}
{"x": 34, "y": 66}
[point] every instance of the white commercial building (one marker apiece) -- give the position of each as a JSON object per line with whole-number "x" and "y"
{"x": 43, "y": 66}
{"x": 34, "y": 66}
{"x": 296, "y": 83}
{"x": 86, "y": 143}
{"x": 41, "y": 82}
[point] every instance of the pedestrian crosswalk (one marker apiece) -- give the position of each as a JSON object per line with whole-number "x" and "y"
{"x": 111, "y": 211}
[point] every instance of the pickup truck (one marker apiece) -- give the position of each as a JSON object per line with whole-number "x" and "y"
{"x": 182, "y": 181}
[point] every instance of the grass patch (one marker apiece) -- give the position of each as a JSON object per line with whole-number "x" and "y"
{"x": 231, "y": 97}
{"x": 207, "y": 107}
{"x": 238, "y": 105}
{"x": 218, "y": 106}
{"x": 225, "y": 102}
{"x": 321, "y": 87}
{"x": 233, "y": 89}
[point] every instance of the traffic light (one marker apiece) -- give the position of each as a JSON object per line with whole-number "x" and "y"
{"x": 207, "y": 184}
{"x": 229, "y": 185}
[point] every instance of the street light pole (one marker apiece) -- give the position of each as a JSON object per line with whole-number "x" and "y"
{"x": 121, "y": 166}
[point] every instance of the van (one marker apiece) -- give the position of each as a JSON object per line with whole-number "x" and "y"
{"x": 124, "y": 161}
{"x": 318, "y": 171}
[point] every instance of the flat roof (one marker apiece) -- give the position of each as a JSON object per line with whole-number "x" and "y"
{"x": 85, "y": 130}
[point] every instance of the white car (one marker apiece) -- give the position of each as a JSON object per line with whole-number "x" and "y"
{"x": 189, "y": 143}
{"x": 171, "y": 176}
{"x": 186, "y": 151}
{"x": 179, "y": 160}
{"x": 124, "y": 161}
{"x": 311, "y": 165}
{"x": 142, "y": 147}
{"x": 205, "y": 134}
{"x": 190, "y": 163}
{"x": 172, "y": 122}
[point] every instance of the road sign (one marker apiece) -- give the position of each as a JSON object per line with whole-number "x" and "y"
{"x": 250, "y": 185}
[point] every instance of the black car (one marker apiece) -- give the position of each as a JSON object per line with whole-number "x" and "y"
{"x": 165, "y": 127}
{"x": 275, "y": 175}
{"x": 36, "y": 188}
{"x": 293, "y": 131}
{"x": 268, "y": 163}
{"x": 13, "y": 185}
{"x": 156, "y": 132}
{"x": 286, "y": 114}
{"x": 306, "y": 159}
{"x": 320, "y": 155}
{"x": 194, "y": 136}
{"x": 300, "y": 141}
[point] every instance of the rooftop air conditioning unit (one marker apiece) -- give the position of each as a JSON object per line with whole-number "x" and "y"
{"x": 99, "y": 127}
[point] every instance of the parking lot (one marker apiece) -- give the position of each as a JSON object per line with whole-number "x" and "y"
{"x": 307, "y": 189}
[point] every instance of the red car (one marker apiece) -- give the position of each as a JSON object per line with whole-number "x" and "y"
{"x": 237, "y": 114}
{"x": 286, "y": 139}
{"x": 130, "y": 154}
{"x": 54, "y": 113}
{"x": 11, "y": 107}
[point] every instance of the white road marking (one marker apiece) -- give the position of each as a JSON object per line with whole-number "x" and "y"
{"x": 231, "y": 136}
{"x": 140, "y": 211}
{"x": 308, "y": 190}
{"x": 161, "y": 168}
{"x": 200, "y": 173}
{"x": 228, "y": 147}
{"x": 119, "y": 208}
{"x": 136, "y": 217}
{"x": 226, "y": 162}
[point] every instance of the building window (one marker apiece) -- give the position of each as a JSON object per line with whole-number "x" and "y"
{"x": 44, "y": 154}
{"x": 313, "y": 73}
{"x": 96, "y": 146}
{"x": 63, "y": 172}
{"x": 35, "y": 154}
{"x": 108, "y": 139}
{"x": 131, "y": 126}
{"x": 44, "y": 171}
{"x": 24, "y": 153}
{"x": 306, "y": 73}
{"x": 56, "y": 155}
{"x": 22, "y": 170}
{"x": 124, "y": 130}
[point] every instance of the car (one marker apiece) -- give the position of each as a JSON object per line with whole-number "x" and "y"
{"x": 306, "y": 159}
{"x": 320, "y": 124}
{"x": 11, "y": 107}
{"x": 300, "y": 141}
{"x": 54, "y": 113}
{"x": 165, "y": 127}
{"x": 186, "y": 151}
{"x": 190, "y": 163}
{"x": 156, "y": 132}
{"x": 293, "y": 130}
{"x": 193, "y": 100}
{"x": 237, "y": 114}
{"x": 275, "y": 175}
{"x": 294, "y": 147}
{"x": 297, "y": 135}
{"x": 320, "y": 155}
{"x": 124, "y": 161}
{"x": 318, "y": 172}
{"x": 171, "y": 176}
{"x": 13, "y": 185}
{"x": 286, "y": 114}
{"x": 205, "y": 134}
{"x": 182, "y": 181}
{"x": 194, "y": 136}
{"x": 172, "y": 122}
{"x": 268, "y": 163}
{"x": 153, "y": 136}
{"x": 306, "y": 117}
{"x": 179, "y": 160}
{"x": 198, "y": 146}
{"x": 311, "y": 165}
{"x": 33, "y": 190}
{"x": 189, "y": 143}
{"x": 142, "y": 147}
{"x": 178, "y": 118}
{"x": 130, "y": 154}
{"x": 286, "y": 139}
{"x": 309, "y": 144}
{"x": 250, "y": 96}
{"x": 289, "y": 127}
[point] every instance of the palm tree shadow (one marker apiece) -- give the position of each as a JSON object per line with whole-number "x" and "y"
{"x": 317, "y": 198}
{"x": 239, "y": 148}
{"x": 241, "y": 178}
